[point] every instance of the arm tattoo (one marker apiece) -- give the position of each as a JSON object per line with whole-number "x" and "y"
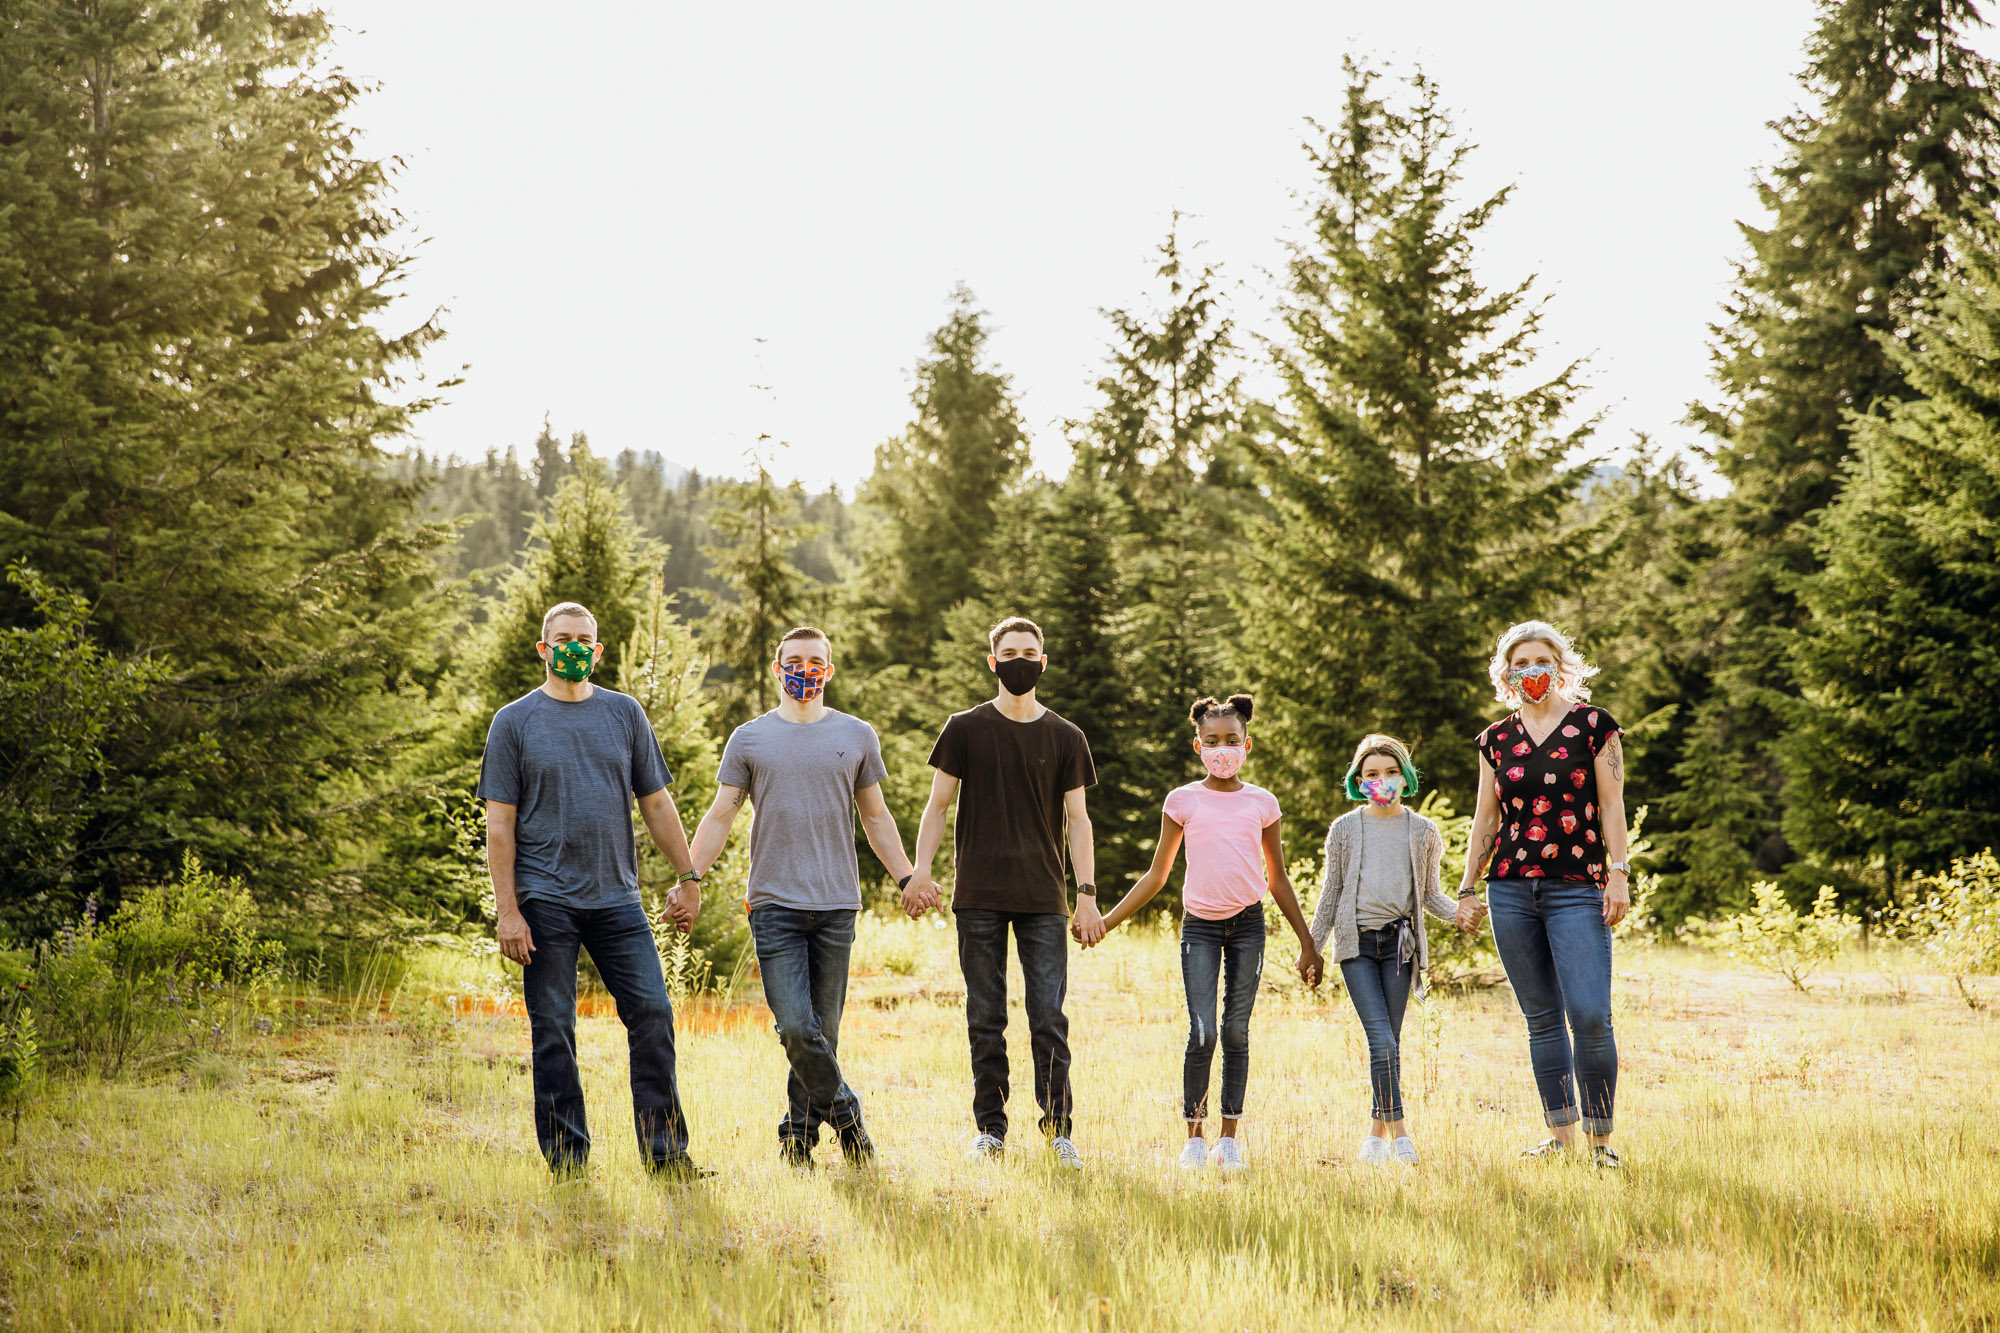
{"x": 1614, "y": 756}
{"x": 737, "y": 799}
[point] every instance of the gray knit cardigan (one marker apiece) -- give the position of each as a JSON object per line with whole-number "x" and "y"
{"x": 1340, "y": 890}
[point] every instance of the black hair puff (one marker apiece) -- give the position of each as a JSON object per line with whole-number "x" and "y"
{"x": 1239, "y": 704}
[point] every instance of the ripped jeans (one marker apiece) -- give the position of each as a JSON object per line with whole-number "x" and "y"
{"x": 1205, "y": 945}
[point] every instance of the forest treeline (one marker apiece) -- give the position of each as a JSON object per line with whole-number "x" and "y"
{"x": 241, "y": 619}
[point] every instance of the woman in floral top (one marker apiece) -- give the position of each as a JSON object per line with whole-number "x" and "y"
{"x": 1550, "y": 832}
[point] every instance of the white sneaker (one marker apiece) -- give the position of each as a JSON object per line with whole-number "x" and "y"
{"x": 1405, "y": 1149}
{"x": 1229, "y": 1155}
{"x": 985, "y": 1146}
{"x": 1066, "y": 1153}
{"x": 1374, "y": 1151}
{"x": 1195, "y": 1156}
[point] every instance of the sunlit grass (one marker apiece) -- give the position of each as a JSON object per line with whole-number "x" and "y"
{"x": 1799, "y": 1161}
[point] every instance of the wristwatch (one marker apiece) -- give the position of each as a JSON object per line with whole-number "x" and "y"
{"x": 904, "y": 882}
{"x": 687, "y": 875}
{"x": 1625, "y": 866}
{"x": 1090, "y": 889}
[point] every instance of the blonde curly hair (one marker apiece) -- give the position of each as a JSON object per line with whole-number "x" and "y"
{"x": 1572, "y": 672}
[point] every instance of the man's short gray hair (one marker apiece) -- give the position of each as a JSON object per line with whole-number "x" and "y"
{"x": 568, "y": 609}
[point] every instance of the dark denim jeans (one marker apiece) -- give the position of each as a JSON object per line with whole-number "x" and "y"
{"x": 1556, "y": 948}
{"x": 621, "y": 944}
{"x": 803, "y": 956}
{"x": 1378, "y": 981}
{"x": 1042, "y": 940}
{"x": 1204, "y": 947}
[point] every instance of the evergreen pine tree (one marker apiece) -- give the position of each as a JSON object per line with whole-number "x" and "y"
{"x": 1417, "y": 497}
{"x": 585, "y": 549}
{"x": 764, "y": 592}
{"x": 1079, "y": 598}
{"x": 193, "y": 263}
{"x": 1159, "y": 441}
{"x": 1893, "y": 749}
{"x": 933, "y": 494}
{"x": 1903, "y": 126}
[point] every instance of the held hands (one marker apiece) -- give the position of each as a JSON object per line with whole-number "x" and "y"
{"x": 920, "y": 895}
{"x": 517, "y": 942}
{"x": 683, "y": 905}
{"x": 1471, "y": 913}
{"x": 1311, "y": 966}
{"x": 1617, "y": 898}
{"x": 1087, "y": 927}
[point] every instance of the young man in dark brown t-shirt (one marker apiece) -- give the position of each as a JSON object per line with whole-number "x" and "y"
{"x": 1022, "y": 772}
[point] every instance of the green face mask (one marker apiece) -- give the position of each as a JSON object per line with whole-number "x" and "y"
{"x": 572, "y": 661}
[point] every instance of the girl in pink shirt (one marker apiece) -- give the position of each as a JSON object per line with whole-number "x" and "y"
{"x": 1234, "y": 853}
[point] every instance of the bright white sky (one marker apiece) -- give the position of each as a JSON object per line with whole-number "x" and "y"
{"x": 621, "y": 199}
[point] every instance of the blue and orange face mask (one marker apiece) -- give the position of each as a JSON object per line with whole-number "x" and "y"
{"x": 805, "y": 681}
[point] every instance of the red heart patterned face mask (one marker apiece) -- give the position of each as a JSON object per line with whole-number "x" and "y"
{"x": 1532, "y": 683}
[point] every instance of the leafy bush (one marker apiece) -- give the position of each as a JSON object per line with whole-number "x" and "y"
{"x": 1773, "y": 936}
{"x": 20, "y": 1058}
{"x": 174, "y": 966}
{"x": 1455, "y": 955}
{"x": 1956, "y": 920}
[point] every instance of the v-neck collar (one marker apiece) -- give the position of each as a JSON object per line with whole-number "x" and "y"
{"x": 1527, "y": 733}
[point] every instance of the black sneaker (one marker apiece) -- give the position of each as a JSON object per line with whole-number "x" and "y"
{"x": 1604, "y": 1158}
{"x": 856, "y": 1146}
{"x": 795, "y": 1154}
{"x": 680, "y": 1171}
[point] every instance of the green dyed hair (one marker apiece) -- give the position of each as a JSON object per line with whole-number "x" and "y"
{"x": 1377, "y": 743}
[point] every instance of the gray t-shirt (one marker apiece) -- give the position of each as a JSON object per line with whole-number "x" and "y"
{"x": 571, "y": 770}
{"x": 1388, "y": 886}
{"x": 802, "y": 778}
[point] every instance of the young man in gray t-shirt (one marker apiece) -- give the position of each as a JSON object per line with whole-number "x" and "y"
{"x": 807, "y": 769}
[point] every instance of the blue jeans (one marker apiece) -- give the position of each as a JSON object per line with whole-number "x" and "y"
{"x": 1556, "y": 948}
{"x": 1042, "y": 940}
{"x": 620, "y": 941}
{"x": 1204, "y": 947}
{"x": 1378, "y": 981}
{"x": 803, "y": 956}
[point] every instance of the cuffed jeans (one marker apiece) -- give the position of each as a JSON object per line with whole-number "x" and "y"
{"x": 1556, "y": 948}
{"x": 620, "y": 942}
{"x": 803, "y": 956}
{"x": 1205, "y": 946}
{"x": 1378, "y": 981}
{"x": 1042, "y": 941}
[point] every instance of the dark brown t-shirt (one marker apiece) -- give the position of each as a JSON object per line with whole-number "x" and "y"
{"x": 1013, "y": 777}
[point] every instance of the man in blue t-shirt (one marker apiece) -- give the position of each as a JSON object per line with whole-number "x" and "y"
{"x": 562, "y": 767}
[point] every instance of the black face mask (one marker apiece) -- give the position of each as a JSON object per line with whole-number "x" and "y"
{"x": 1019, "y": 674}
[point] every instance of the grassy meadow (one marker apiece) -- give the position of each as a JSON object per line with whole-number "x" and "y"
{"x": 1799, "y": 1160}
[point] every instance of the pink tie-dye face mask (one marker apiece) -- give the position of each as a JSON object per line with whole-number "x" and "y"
{"x": 1382, "y": 791}
{"x": 1223, "y": 761}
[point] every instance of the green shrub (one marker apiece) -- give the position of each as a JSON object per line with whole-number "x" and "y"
{"x": 20, "y": 1058}
{"x": 1773, "y": 936}
{"x": 174, "y": 967}
{"x": 1956, "y": 921}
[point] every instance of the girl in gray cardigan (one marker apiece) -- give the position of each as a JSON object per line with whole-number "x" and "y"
{"x": 1382, "y": 873}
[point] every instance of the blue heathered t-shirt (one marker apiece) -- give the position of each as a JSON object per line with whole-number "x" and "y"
{"x": 571, "y": 771}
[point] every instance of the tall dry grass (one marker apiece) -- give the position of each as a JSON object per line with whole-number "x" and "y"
{"x": 1799, "y": 1160}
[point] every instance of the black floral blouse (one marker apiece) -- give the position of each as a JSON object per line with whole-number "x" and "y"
{"x": 1549, "y": 818}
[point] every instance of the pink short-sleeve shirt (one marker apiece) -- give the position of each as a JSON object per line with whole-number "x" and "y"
{"x": 1225, "y": 846}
